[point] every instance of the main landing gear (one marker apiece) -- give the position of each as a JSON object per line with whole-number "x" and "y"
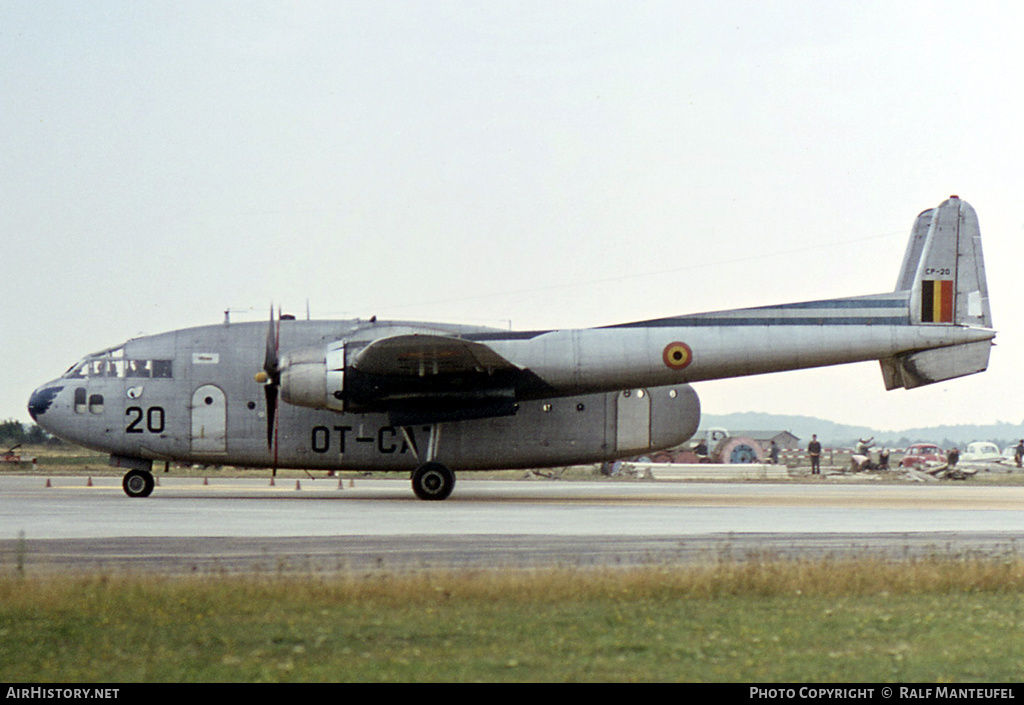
{"x": 138, "y": 483}
{"x": 431, "y": 481}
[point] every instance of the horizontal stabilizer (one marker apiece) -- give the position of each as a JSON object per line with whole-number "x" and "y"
{"x": 929, "y": 366}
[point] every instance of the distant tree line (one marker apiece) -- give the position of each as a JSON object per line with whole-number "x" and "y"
{"x": 13, "y": 432}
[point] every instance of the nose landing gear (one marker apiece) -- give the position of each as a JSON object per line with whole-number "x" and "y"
{"x": 138, "y": 483}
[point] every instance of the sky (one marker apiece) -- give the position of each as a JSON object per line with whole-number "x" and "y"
{"x": 524, "y": 164}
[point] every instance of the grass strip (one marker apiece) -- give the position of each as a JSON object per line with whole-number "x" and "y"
{"x": 754, "y": 621}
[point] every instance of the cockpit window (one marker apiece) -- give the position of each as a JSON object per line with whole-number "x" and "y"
{"x": 113, "y": 364}
{"x": 76, "y": 372}
{"x": 148, "y": 368}
{"x": 106, "y": 368}
{"x": 162, "y": 368}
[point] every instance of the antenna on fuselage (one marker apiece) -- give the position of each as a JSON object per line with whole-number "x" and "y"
{"x": 229, "y": 311}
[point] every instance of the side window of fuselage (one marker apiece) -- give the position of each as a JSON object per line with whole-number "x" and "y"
{"x": 93, "y": 403}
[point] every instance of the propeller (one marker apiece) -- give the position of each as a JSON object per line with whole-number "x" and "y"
{"x": 270, "y": 377}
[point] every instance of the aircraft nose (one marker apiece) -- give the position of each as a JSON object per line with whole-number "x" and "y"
{"x": 41, "y": 400}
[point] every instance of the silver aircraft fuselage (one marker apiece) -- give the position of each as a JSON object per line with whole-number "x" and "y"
{"x": 208, "y": 409}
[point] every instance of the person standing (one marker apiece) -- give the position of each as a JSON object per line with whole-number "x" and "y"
{"x": 1018, "y": 453}
{"x": 814, "y": 450}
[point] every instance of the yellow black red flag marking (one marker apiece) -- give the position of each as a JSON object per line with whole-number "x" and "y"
{"x": 937, "y": 301}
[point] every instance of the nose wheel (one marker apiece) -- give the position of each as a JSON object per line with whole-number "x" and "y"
{"x": 433, "y": 481}
{"x": 138, "y": 483}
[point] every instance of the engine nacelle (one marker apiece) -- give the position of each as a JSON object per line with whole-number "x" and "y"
{"x": 314, "y": 377}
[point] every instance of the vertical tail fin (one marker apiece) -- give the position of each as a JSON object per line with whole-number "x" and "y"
{"x": 943, "y": 268}
{"x": 944, "y": 273}
{"x": 912, "y": 258}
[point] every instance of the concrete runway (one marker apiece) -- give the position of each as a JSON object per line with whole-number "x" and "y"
{"x": 322, "y": 525}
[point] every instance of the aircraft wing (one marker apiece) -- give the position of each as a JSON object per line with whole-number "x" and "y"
{"x": 428, "y": 355}
{"x": 423, "y": 378}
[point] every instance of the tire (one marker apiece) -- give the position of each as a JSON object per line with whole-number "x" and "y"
{"x": 433, "y": 481}
{"x": 138, "y": 483}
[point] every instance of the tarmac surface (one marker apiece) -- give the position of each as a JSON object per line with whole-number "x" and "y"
{"x": 327, "y": 525}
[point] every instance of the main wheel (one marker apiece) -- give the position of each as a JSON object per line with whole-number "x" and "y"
{"x": 433, "y": 481}
{"x": 138, "y": 483}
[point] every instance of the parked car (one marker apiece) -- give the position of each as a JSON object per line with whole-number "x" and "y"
{"x": 921, "y": 453}
{"x": 981, "y": 451}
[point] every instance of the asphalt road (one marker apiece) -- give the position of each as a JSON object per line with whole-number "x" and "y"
{"x": 325, "y": 526}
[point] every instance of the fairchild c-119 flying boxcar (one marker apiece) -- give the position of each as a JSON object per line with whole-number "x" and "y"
{"x": 431, "y": 398}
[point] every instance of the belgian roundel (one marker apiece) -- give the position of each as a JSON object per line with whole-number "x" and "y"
{"x": 677, "y": 355}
